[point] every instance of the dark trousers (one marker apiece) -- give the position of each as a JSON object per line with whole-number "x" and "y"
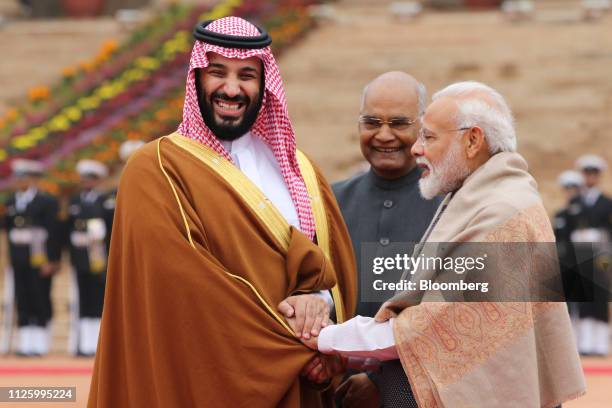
{"x": 91, "y": 293}
{"x": 393, "y": 386}
{"x": 32, "y": 294}
{"x": 597, "y": 290}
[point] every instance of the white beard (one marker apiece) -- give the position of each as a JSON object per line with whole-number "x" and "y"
{"x": 446, "y": 176}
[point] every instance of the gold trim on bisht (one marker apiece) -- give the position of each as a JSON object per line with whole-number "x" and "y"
{"x": 322, "y": 228}
{"x": 261, "y": 206}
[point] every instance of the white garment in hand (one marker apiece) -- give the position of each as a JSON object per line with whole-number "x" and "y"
{"x": 359, "y": 337}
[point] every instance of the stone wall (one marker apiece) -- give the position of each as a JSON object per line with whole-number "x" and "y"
{"x": 53, "y": 8}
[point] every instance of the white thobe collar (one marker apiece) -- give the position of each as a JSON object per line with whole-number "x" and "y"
{"x": 239, "y": 145}
{"x": 257, "y": 161}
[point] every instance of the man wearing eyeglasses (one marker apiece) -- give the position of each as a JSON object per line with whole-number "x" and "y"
{"x": 477, "y": 354}
{"x": 382, "y": 208}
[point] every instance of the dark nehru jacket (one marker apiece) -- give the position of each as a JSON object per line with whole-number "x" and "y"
{"x": 382, "y": 214}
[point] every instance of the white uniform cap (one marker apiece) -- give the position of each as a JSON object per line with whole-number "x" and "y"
{"x": 25, "y": 166}
{"x": 570, "y": 178}
{"x": 128, "y": 147}
{"x": 91, "y": 167}
{"x": 591, "y": 161}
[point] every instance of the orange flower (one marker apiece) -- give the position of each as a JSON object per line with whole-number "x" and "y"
{"x": 108, "y": 47}
{"x": 87, "y": 66}
{"x": 101, "y": 58}
{"x": 113, "y": 145}
{"x": 11, "y": 114}
{"x": 69, "y": 72}
{"x": 49, "y": 187}
{"x": 56, "y": 174}
{"x": 132, "y": 135}
{"x": 39, "y": 93}
{"x": 163, "y": 114}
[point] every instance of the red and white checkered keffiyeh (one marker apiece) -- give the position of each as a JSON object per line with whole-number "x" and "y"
{"x": 272, "y": 125}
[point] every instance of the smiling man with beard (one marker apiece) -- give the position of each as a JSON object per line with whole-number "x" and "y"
{"x": 229, "y": 111}
{"x": 221, "y": 231}
{"x": 484, "y": 353}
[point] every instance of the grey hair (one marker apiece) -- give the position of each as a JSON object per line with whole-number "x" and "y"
{"x": 495, "y": 119}
{"x": 421, "y": 97}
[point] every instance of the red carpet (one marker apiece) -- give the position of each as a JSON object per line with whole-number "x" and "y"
{"x": 44, "y": 370}
{"x": 605, "y": 370}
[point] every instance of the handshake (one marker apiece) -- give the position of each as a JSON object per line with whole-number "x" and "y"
{"x": 307, "y": 315}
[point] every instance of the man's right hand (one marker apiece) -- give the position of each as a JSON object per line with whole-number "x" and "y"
{"x": 311, "y": 314}
{"x": 358, "y": 391}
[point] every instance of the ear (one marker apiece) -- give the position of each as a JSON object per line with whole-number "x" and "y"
{"x": 475, "y": 142}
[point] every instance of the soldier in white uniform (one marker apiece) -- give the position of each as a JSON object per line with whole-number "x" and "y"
{"x": 572, "y": 183}
{"x": 591, "y": 219}
{"x": 34, "y": 248}
{"x": 89, "y": 223}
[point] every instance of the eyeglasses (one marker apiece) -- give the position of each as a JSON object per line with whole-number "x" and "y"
{"x": 374, "y": 123}
{"x": 426, "y": 135}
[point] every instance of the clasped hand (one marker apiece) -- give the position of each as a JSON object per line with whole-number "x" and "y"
{"x": 310, "y": 313}
{"x": 307, "y": 315}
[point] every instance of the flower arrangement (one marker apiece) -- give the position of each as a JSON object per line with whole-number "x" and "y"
{"x": 133, "y": 90}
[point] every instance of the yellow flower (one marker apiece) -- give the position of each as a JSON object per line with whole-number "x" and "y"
{"x": 59, "y": 123}
{"x": 147, "y": 63}
{"x": 221, "y": 10}
{"x": 38, "y": 133}
{"x": 88, "y": 103}
{"x": 73, "y": 113}
{"x": 133, "y": 75}
{"x": 22, "y": 142}
{"x": 3, "y": 155}
{"x": 109, "y": 90}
